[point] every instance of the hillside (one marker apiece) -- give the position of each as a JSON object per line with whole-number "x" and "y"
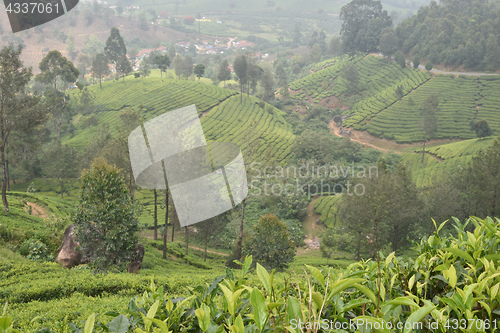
{"x": 251, "y": 124}
{"x": 376, "y": 108}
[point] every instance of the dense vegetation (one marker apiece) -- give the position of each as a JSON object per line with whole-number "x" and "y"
{"x": 454, "y": 33}
{"x": 452, "y": 282}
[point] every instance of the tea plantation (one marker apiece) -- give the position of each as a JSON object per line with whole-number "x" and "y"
{"x": 377, "y": 108}
{"x": 225, "y": 118}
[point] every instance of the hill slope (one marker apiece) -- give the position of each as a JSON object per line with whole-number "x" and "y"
{"x": 378, "y": 110}
{"x": 250, "y": 123}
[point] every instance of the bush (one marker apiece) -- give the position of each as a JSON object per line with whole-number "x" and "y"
{"x": 35, "y": 250}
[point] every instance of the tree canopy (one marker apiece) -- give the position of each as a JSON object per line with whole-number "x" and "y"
{"x": 105, "y": 224}
{"x": 363, "y": 22}
{"x": 454, "y": 33}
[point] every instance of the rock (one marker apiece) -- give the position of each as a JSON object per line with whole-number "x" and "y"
{"x": 136, "y": 262}
{"x": 68, "y": 256}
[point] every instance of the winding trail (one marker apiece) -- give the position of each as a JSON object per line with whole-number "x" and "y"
{"x": 388, "y": 146}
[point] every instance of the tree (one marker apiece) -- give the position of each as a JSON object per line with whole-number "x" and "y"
{"x": 479, "y": 183}
{"x": 19, "y": 111}
{"x": 60, "y": 162}
{"x": 270, "y": 244}
{"x": 224, "y": 72}
{"x": 482, "y": 128}
{"x": 163, "y": 62}
{"x": 429, "y": 120}
{"x": 199, "y": 71}
{"x": 100, "y": 67}
{"x": 268, "y": 85}
{"x": 356, "y": 27}
{"x": 428, "y": 66}
{"x": 187, "y": 66}
{"x": 123, "y": 67}
{"x": 209, "y": 228}
{"x": 115, "y": 48}
{"x": 55, "y": 67}
{"x": 241, "y": 70}
{"x": 388, "y": 43}
{"x": 145, "y": 67}
{"x": 351, "y": 76}
{"x": 416, "y": 61}
{"x": 104, "y": 220}
{"x": 178, "y": 63}
{"x": 335, "y": 46}
{"x": 400, "y": 59}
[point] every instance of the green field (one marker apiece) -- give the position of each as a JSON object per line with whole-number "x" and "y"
{"x": 245, "y": 123}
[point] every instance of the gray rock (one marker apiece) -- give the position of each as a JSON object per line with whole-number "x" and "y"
{"x": 68, "y": 256}
{"x": 137, "y": 257}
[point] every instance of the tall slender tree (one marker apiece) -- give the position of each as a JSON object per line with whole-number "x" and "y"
{"x": 241, "y": 69}
{"x": 429, "y": 120}
{"x": 18, "y": 109}
{"x": 100, "y": 67}
{"x": 54, "y": 67}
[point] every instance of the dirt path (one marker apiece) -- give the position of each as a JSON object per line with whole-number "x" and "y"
{"x": 37, "y": 210}
{"x": 385, "y": 145}
{"x": 311, "y": 228}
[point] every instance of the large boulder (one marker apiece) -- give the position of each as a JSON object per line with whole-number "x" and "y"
{"x": 136, "y": 262}
{"x": 68, "y": 255}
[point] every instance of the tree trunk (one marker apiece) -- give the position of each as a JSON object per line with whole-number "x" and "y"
{"x": 358, "y": 255}
{"x": 206, "y": 243}
{"x": 423, "y": 153}
{"x": 240, "y": 237}
{"x": 59, "y": 121}
{"x": 174, "y": 218}
{"x": 8, "y": 174}
{"x": 4, "y": 179}
{"x": 100, "y": 82}
{"x": 165, "y": 228}
{"x": 395, "y": 239}
{"x": 241, "y": 93}
{"x": 186, "y": 232}
{"x": 156, "y": 214}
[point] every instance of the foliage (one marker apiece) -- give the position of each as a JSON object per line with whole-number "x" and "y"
{"x": 115, "y": 48}
{"x": 400, "y": 59}
{"x": 453, "y": 33}
{"x": 363, "y": 22}
{"x": 199, "y": 70}
{"x": 55, "y": 66}
{"x": 104, "y": 220}
{"x": 100, "y": 67}
{"x": 270, "y": 243}
{"x": 452, "y": 281}
{"x": 482, "y": 128}
{"x": 19, "y": 111}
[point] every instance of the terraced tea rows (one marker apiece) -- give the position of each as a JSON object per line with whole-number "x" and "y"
{"x": 461, "y": 148}
{"x": 401, "y": 121}
{"x": 375, "y": 77}
{"x": 489, "y": 104}
{"x": 244, "y": 123}
{"x": 328, "y": 208}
